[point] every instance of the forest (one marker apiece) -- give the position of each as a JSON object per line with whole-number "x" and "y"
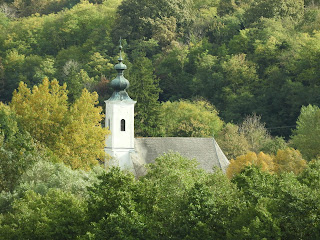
{"x": 244, "y": 71}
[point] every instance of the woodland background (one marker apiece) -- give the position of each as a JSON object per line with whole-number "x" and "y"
{"x": 246, "y": 72}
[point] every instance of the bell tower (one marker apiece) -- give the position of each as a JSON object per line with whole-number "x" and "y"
{"x": 120, "y": 121}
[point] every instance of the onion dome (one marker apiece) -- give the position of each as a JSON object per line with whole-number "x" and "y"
{"x": 120, "y": 83}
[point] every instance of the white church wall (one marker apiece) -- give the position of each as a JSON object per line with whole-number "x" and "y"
{"x": 115, "y": 113}
{"x": 120, "y": 158}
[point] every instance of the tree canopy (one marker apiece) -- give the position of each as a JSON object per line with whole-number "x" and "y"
{"x": 243, "y": 57}
{"x": 173, "y": 200}
{"x": 18, "y": 150}
{"x": 236, "y": 70}
{"x": 306, "y": 135}
{"x": 190, "y": 119}
{"x": 73, "y": 133}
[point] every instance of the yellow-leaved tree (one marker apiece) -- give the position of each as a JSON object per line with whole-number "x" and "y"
{"x": 289, "y": 160}
{"x": 42, "y": 110}
{"x": 262, "y": 160}
{"x": 73, "y": 133}
{"x": 286, "y": 160}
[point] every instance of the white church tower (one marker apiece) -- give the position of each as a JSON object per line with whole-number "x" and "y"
{"x": 120, "y": 121}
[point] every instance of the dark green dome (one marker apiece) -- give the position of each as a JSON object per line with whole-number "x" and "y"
{"x": 120, "y": 83}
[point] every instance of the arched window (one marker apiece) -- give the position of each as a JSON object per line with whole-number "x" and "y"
{"x": 123, "y": 125}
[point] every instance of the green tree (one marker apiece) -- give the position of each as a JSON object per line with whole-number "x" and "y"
{"x": 31, "y": 69}
{"x": 190, "y": 119}
{"x": 296, "y": 209}
{"x": 258, "y": 188}
{"x": 221, "y": 29}
{"x": 164, "y": 30}
{"x": 81, "y": 26}
{"x": 232, "y": 142}
{"x": 76, "y": 79}
{"x": 274, "y": 8}
{"x": 278, "y": 207}
{"x": 139, "y": 19}
{"x": 10, "y": 72}
{"x": 144, "y": 88}
{"x": 226, "y": 7}
{"x": 207, "y": 208}
{"x": 202, "y": 66}
{"x": 26, "y": 8}
{"x": 255, "y": 183}
{"x": 18, "y": 151}
{"x": 162, "y": 191}
{"x": 311, "y": 18}
{"x": 56, "y": 215}
{"x": 306, "y": 135}
{"x": 112, "y": 207}
{"x": 311, "y": 175}
{"x": 98, "y": 66}
{"x": 273, "y": 144}
{"x": 175, "y": 82}
{"x": 45, "y": 175}
{"x": 259, "y": 222}
{"x": 240, "y": 79}
{"x": 255, "y": 132}
{"x": 45, "y": 70}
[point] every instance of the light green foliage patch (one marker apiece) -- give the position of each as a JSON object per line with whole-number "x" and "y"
{"x": 306, "y": 136}
{"x": 56, "y": 215}
{"x": 190, "y": 119}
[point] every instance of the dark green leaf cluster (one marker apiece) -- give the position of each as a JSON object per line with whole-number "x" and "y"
{"x": 174, "y": 200}
{"x": 278, "y": 207}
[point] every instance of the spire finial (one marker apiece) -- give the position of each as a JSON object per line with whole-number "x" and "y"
{"x": 120, "y": 48}
{"x": 120, "y": 66}
{"x": 120, "y": 83}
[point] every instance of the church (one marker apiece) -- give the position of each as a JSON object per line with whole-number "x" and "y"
{"x": 132, "y": 154}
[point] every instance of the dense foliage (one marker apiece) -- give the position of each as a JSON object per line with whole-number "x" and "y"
{"x": 246, "y": 72}
{"x": 194, "y": 119}
{"x": 175, "y": 200}
{"x": 287, "y": 160}
{"x": 73, "y": 133}
{"x": 306, "y": 137}
{"x": 18, "y": 150}
{"x": 40, "y": 125}
{"x": 243, "y": 57}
